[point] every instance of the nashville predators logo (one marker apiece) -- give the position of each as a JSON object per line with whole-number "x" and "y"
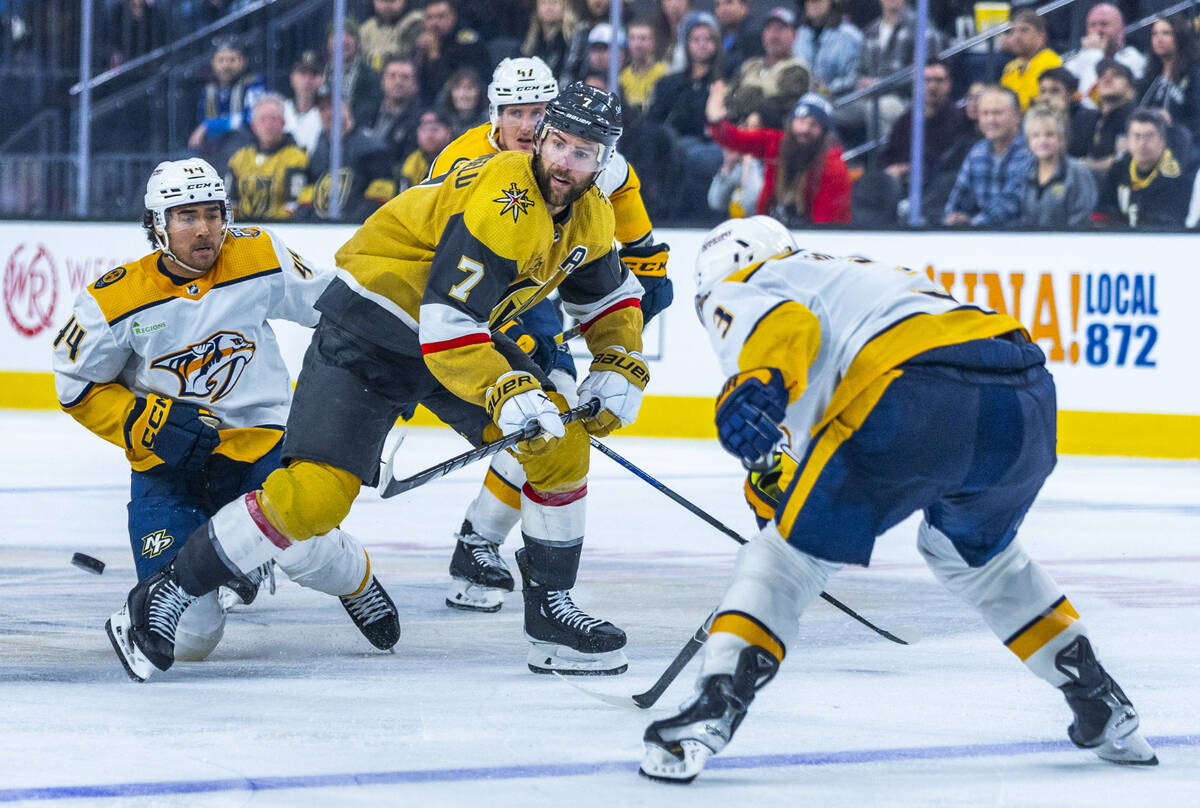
{"x": 515, "y": 201}
{"x": 155, "y": 543}
{"x": 210, "y": 368}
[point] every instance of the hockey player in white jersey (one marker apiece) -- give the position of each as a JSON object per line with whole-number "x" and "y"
{"x": 895, "y": 398}
{"x": 171, "y": 358}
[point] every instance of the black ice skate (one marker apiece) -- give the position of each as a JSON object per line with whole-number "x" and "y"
{"x": 677, "y": 748}
{"x": 374, "y": 614}
{"x": 242, "y": 591}
{"x": 565, "y": 639}
{"x": 1105, "y": 720}
{"x": 480, "y": 576}
{"x": 143, "y": 631}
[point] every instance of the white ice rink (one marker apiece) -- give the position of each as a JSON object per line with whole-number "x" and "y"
{"x": 295, "y": 708}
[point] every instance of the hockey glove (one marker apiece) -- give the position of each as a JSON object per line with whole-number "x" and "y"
{"x": 515, "y": 401}
{"x": 181, "y": 435}
{"x": 616, "y": 378}
{"x": 749, "y": 409}
{"x": 540, "y": 347}
{"x": 649, "y": 264}
{"x": 765, "y": 487}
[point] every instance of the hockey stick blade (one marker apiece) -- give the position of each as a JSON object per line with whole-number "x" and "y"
{"x": 648, "y": 698}
{"x": 395, "y": 486}
{"x": 615, "y": 701}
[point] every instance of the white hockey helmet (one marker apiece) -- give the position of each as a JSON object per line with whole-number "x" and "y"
{"x": 523, "y": 80}
{"x": 737, "y": 244}
{"x": 174, "y": 183}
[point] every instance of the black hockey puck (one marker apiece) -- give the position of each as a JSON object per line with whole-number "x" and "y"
{"x": 86, "y": 562}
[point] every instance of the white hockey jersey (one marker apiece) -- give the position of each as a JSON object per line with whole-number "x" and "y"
{"x": 833, "y": 326}
{"x": 139, "y": 331}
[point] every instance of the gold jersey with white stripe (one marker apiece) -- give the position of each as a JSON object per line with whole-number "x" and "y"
{"x": 445, "y": 263}
{"x": 140, "y": 331}
{"x": 832, "y": 326}
{"x": 618, "y": 181}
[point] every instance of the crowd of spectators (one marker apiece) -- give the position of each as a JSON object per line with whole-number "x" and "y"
{"x": 732, "y": 107}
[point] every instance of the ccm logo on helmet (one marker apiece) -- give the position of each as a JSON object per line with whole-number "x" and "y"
{"x": 719, "y": 237}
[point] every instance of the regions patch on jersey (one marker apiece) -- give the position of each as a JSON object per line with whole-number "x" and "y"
{"x": 514, "y": 200}
{"x": 110, "y": 277}
{"x": 210, "y": 368}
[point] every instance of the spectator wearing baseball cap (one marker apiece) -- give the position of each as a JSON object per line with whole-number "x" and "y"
{"x": 1026, "y": 40}
{"x": 301, "y": 118}
{"x": 770, "y": 84}
{"x": 599, "y": 46}
{"x": 1058, "y": 88}
{"x": 805, "y": 180}
{"x": 434, "y": 133}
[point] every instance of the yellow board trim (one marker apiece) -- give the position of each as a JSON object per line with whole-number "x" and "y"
{"x": 1049, "y": 626}
{"x": 1131, "y": 434}
{"x": 742, "y": 626}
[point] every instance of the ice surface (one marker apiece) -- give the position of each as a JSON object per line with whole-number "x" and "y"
{"x": 295, "y": 708}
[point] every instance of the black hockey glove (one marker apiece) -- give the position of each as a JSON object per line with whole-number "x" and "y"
{"x": 649, "y": 263}
{"x": 181, "y": 435}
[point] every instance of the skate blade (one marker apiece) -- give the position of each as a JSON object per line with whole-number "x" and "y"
{"x": 1132, "y": 750}
{"x": 549, "y": 658}
{"x": 471, "y": 597}
{"x": 661, "y": 765}
{"x": 135, "y": 663}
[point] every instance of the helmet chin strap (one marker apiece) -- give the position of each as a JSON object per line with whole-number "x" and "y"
{"x": 160, "y": 235}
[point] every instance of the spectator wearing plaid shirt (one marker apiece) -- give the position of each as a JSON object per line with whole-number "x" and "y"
{"x": 990, "y": 182}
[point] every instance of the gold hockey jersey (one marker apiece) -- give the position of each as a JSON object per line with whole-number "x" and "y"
{"x": 138, "y": 331}
{"x": 619, "y": 182}
{"x": 267, "y": 185}
{"x": 440, "y": 266}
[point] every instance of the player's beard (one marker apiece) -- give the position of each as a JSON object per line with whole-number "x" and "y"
{"x": 555, "y": 195}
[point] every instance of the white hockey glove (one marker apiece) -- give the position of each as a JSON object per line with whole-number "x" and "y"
{"x": 516, "y": 400}
{"x": 617, "y": 378}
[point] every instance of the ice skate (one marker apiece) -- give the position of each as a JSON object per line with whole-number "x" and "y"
{"x": 374, "y": 614}
{"x": 242, "y": 591}
{"x": 480, "y": 576}
{"x": 678, "y": 747}
{"x": 1105, "y": 720}
{"x": 143, "y": 631}
{"x": 565, "y": 639}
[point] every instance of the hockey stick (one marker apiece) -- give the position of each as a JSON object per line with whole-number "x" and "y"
{"x": 457, "y": 462}
{"x": 731, "y": 533}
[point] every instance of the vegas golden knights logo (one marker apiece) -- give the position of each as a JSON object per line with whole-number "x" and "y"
{"x": 321, "y": 195}
{"x": 513, "y": 303}
{"x": 254, "y": 196}
{"x": 210, "y": 368}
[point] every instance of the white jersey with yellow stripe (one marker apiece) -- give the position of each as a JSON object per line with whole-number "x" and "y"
{"x": 204, "y": 341}
{"x": 832, "y": 326}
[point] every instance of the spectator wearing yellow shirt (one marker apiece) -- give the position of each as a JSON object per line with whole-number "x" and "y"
{"x": 433, "y": 135}
{"x": 1027, "y": 42}
{"x": 638, "y": 78}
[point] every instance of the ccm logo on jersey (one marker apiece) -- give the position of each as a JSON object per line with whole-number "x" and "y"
{"x": 210, "y": 368}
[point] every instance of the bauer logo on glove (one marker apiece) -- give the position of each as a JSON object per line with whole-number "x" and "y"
{"x": 616, "y": 380}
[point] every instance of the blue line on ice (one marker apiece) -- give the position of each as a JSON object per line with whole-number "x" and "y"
{"x": 549, "y": 770}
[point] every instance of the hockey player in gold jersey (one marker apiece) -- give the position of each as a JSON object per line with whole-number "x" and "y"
{"x": 517, "y": 96}
{"x": 410, "y": 318}
{"x": 171, "y": 358}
